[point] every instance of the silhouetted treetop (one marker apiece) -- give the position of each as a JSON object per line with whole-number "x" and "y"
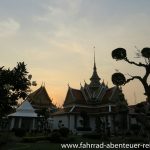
{"x": 119, "y": 78}
{"x": 14, "y": 84}
{"x": 146, "y": 52}
{"x": 119, "y": 54}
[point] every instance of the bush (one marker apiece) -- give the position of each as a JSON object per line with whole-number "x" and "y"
{"x": 66, "y": 139}
{"x": 34, "y": 139}
{"x": 55, "y": 137}
{"x": 128, "y": 133}
{"x": 64, "y": 132}
{"x": 135, "y": 128}
{"x": 60, "y": 136}
{"x": 83, "y": 129}
{"x": 136, "y": 139}
{"x": 3, "y": 138}
{"x": 92, "y": 135}
{"x": 20, "y": 132}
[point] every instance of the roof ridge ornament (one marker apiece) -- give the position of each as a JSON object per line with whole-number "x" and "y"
{"x": 68, "y": 85}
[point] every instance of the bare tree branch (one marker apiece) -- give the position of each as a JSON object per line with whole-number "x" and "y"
{"x": 136, "y": 64}
{"x": 132, "y": 78}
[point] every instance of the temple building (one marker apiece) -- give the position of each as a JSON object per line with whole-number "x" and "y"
{"x": 27, "y": 115}
{"x": 94, "y": 101}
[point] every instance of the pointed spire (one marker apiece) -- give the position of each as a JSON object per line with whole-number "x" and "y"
{"x": 95, "y": 78}
{"x": 94, "y": 58}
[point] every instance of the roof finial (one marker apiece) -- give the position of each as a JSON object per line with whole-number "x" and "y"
{"x": 103, "y": 82}
{"x": 94, "y": 58}
{"x": 80, "y": 84}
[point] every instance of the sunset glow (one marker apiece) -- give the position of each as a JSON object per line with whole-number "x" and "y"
{"x": 55, "y": 38}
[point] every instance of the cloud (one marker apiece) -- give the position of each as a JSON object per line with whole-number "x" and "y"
{"x": 8, "y": 27}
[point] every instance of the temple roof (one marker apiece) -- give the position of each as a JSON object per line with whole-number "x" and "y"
{"x": 40, "y": 99}
{"x": 24, "y": 110}
{"x": 95, "y": 93}
{"x": 74, "y": 96}
{"x": 111, "y": 96}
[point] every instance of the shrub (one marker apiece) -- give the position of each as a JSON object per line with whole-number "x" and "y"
{"x": 136, "y": 139}
{"x": 20, "y": 132}
{"x": 64, "y": 131}
{"x": 34, "y": 139}
{"x": 55, "y": 137}
{"x": 92, "y": 135}
{"x": 3, "y": 138}
{"x": 83, "y": 129}
{"x": 128, "y": 133}
{"x": 66, "y": 139}
{"x": 135, "y": 128}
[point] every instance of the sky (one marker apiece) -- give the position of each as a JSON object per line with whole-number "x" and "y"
{"x": 55, "y": 38}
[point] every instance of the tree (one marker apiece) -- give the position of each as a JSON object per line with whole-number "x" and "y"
{"x": 119, "y": 78}
{"x": 14, "y": 84}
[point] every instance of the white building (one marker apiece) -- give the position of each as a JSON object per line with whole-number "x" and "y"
{"x": 24, "y": 117}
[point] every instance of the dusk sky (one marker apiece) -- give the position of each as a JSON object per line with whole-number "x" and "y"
{"x": 55, "y": 38}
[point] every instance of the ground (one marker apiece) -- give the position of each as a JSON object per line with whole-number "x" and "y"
{"x": 42, "y": 145}
{"x": 46, "y": 145}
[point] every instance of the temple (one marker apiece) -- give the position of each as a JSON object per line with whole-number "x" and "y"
{"x": 94, "y": 101}
{"x": 28, "y": 114}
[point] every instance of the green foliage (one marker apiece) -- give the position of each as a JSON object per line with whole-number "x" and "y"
{"x": 64, "y": 131}
{"x": 14, "y": 84}
{"x": 119, "y": 54}
{"x": 20, "y": 132}
{"x": 3, "y": 138}
{"x": 136, "y": 139}
{"x": 34, "y": 139}
{"x": 55, "y": 136}
{"x": 83, "y": 129}
{"x": 91, "y": 135}
{"x": 118, "y": 79}
{"x": 135, "y": 128}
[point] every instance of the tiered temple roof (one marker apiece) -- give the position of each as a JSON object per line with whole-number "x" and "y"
{"x": 40, "y": 99}
{"x": 95, "y": 97}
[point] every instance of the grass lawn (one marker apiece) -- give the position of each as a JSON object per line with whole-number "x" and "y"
{"x": 44, "y": 145}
